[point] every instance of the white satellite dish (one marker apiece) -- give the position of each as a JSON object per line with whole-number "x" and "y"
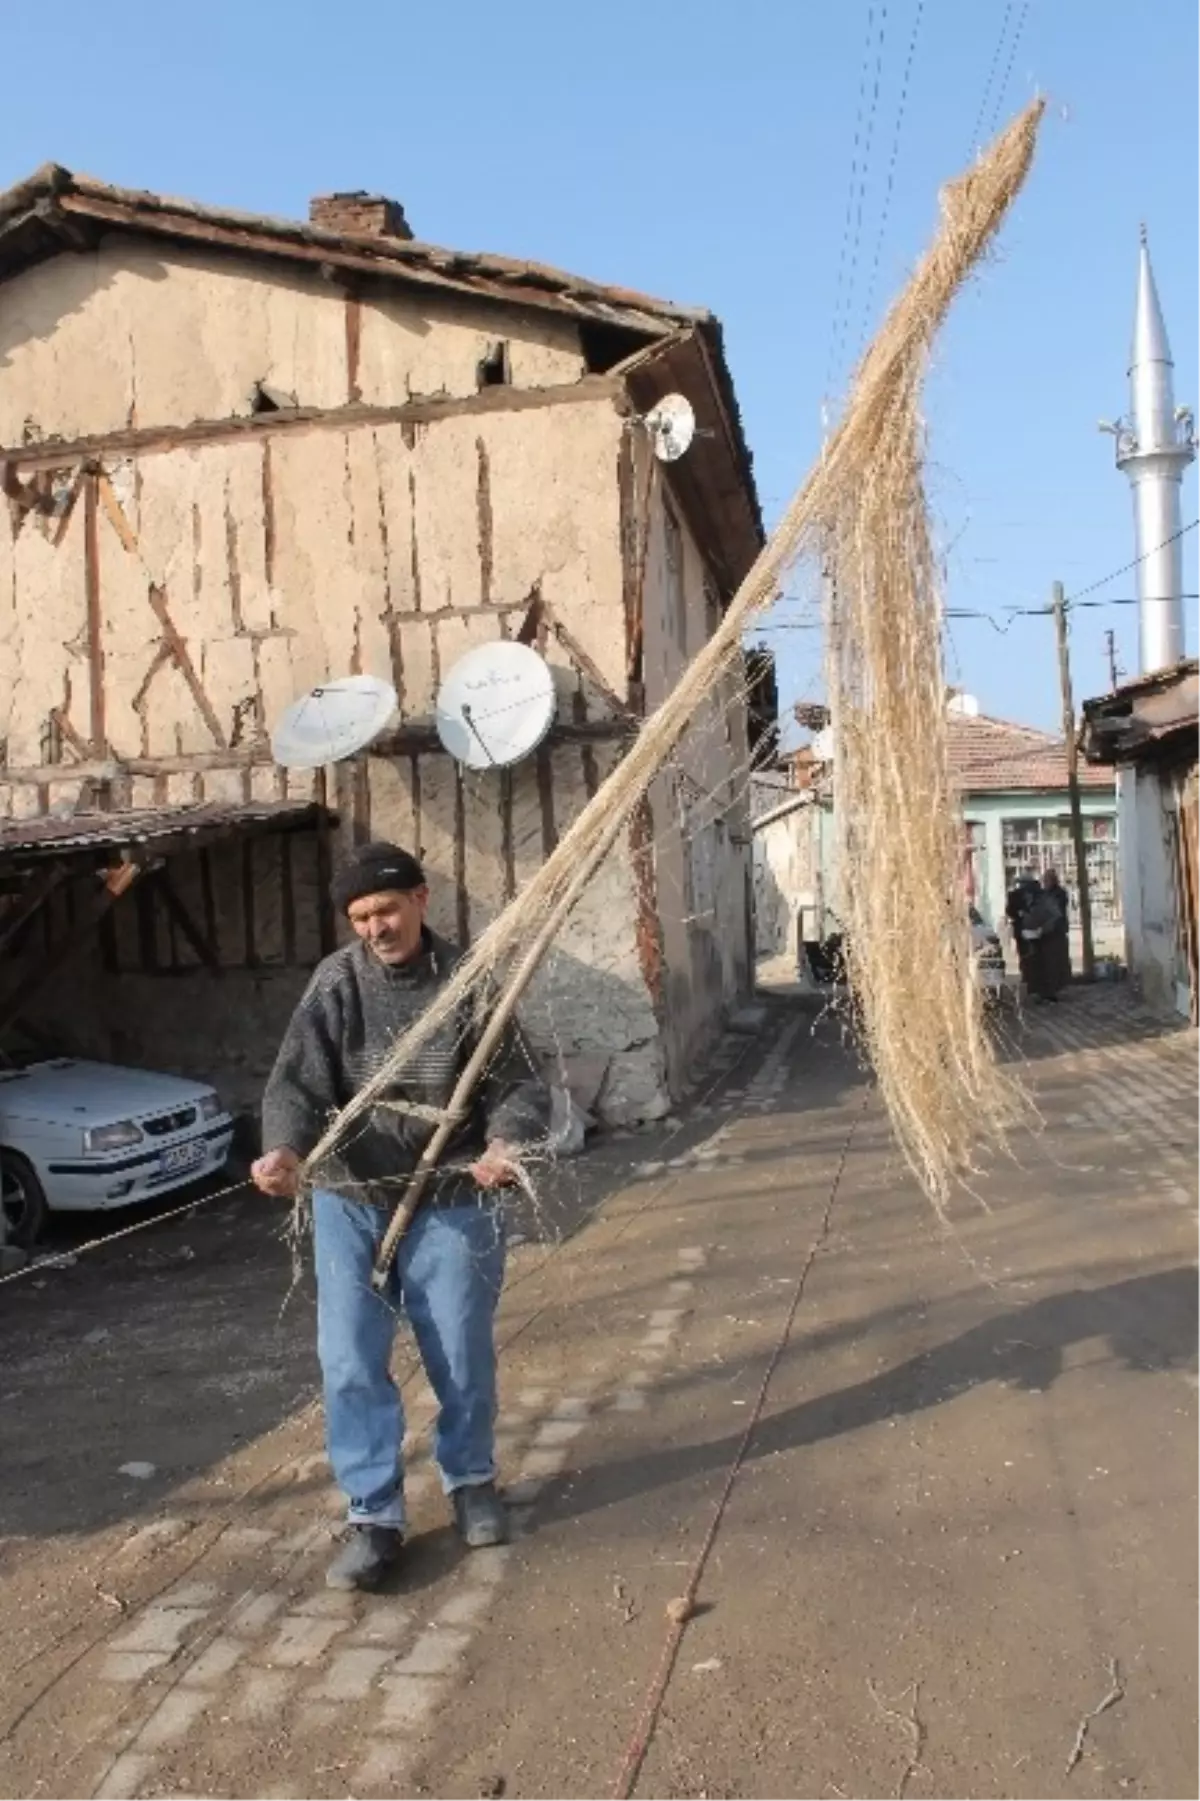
{"x": 332, "y": 721}
{"x": 672, "y": 426}
{"x": 496, "y": 705}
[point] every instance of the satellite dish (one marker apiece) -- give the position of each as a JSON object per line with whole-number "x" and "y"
{"x": 496, "y": 705}
{"x": 332, "y": 721}
{"x": 672, "y": 426}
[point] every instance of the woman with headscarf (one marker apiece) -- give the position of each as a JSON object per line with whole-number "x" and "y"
{"x": 1032, "y": 915}
{"x": 1056, "y": 954}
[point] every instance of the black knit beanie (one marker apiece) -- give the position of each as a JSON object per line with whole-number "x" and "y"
{"x": 373, "y": 869}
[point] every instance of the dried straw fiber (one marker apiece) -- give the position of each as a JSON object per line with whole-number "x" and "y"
{"x": 908, "y": 937}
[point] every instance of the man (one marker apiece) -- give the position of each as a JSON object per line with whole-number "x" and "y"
{"x": 1020, "y": 899}
{"x": 450, "y": 1265}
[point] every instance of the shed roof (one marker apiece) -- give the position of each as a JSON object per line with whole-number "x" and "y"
{"x": 160, "y": 830}
{"x": 997, "y": 756}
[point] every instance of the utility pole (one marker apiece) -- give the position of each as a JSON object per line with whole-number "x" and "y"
{"x": 1059, "y": 609}
{"x": 1110, "y": 645}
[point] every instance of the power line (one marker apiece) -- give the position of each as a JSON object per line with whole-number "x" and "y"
{"x": 862, "y": 186}
{"x": 1078, "y": 599}
{"x": 1126, "y": 567}
{"x": 864, "y": 131}
{"x": 977, "y": 130}
{"x": 1008, "y": 69}
{"x": 891, "y": 174}
{"x": 953, "y": 613}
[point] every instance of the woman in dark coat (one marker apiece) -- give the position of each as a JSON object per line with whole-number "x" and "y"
{"x": 1033, "y": 916}
{"x": 1056, "y": 941}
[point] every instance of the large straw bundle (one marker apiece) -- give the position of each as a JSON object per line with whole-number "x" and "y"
{"x": 938, "y": 1084}
{"x": 902, "y": 902}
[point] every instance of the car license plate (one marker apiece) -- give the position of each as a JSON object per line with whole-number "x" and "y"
{"x": 181, "y": 1156}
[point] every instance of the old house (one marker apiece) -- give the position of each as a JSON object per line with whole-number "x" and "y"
{"x": 1145, "y": 730}
{"x": 244, "y": 455}
{"x": 794, "y": 853}
{"x": 1012, "y": 785}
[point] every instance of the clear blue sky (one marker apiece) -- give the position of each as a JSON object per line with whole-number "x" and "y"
{"x": 704, "y": 152}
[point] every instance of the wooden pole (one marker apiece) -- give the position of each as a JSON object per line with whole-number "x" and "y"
{"x": 1059, "y": 609}
{"x": 326, "y": 921}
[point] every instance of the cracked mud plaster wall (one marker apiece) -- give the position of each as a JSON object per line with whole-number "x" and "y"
{"x": 699, "y": 805}
{"x": 589, "y": 1004}
{"x": 134, "y": 334}
{"x": 306, "y": 554}
{"x": 389, "y": 549}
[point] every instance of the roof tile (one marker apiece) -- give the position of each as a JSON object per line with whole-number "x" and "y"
{"x": 996, "y": 756}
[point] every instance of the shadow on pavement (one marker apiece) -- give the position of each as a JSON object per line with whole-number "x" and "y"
{"x": 1104, "y": 1014}
{"x": 1148, "y": 1322}
{"x": 174, "y": 1347}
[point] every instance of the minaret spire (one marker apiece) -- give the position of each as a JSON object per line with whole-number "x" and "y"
{"x": 1154, "y": 446}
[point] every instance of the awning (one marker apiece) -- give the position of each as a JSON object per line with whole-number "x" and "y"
{"x": 157, "y": 832}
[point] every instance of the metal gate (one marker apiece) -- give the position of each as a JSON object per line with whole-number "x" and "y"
{"x": 1031, "y": 846}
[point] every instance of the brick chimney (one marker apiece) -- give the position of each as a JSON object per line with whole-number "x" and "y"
{"x": 359, "y": 215}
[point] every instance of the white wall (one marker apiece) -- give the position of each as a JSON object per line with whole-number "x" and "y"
{"x": 786, "y": 867}
{"x": 1146, "y": 809}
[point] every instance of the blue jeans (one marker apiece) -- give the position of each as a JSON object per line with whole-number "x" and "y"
{"x": 447, "y": 1277}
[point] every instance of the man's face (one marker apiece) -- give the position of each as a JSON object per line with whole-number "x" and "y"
{"x": 390, "y": 923}
{"x": 1050, "y": 879}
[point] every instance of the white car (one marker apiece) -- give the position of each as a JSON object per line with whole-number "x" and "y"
{"x": 77, "y": 1136}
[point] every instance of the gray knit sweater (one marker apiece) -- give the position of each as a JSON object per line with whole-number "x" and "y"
{"x": 354, "y": 1010}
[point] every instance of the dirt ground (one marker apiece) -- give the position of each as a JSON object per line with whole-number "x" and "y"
{"x": 965, "y": 1519}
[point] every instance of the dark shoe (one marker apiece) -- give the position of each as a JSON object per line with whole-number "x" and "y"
{"x": 480, "y": 1517}
{"x": 366, "y": 1557}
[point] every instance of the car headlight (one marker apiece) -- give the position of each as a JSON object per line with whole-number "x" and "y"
{"x": 112, "y": 1138}
{"x": 210, "y": 1107}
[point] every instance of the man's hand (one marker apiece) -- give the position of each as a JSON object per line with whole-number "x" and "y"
{"x": 497, "y": 1168}
{"x": 277, "y": 1173}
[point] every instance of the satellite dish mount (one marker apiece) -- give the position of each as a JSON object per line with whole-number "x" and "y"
{"x": 496, "y": 705}
{"x": 332, "y": 721}
{"x": 672, "y": 426}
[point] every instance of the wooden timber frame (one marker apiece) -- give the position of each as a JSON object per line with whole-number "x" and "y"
{"x": 48, "y": 481}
